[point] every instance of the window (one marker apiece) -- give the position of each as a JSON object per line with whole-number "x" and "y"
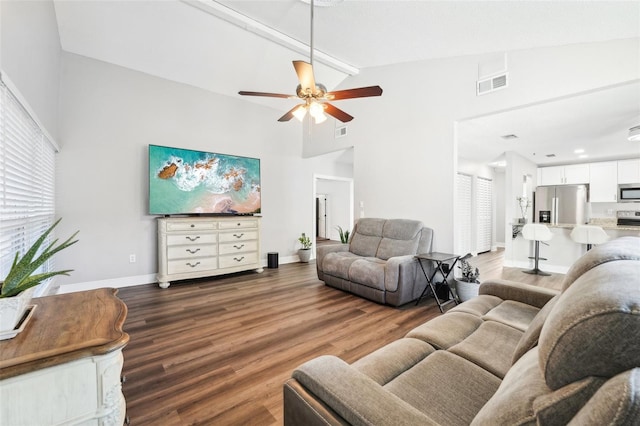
{"x": 27, "y": 181}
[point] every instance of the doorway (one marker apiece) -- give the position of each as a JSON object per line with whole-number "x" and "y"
{"x": 333, "y": 206}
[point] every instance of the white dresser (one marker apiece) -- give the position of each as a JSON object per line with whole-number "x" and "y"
{"x": 65, "y": 367}
{"x": 196, "y": 247}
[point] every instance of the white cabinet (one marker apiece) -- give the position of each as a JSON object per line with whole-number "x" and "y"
{"x": 564, "y": 175}
{"x": 603, "y": 186}
{"x": 201, "y": 247}
{"x": 629, "y": 171}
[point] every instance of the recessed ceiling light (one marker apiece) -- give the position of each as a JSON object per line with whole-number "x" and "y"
{"x": 509, "y": 137}
{"x": 634, "y": 133}
{"x": 579, "y": 151}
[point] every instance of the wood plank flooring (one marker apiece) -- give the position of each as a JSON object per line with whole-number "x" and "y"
{"x": 217, "y": 351}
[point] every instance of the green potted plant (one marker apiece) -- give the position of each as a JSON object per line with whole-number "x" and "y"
{"x": 305, "y": 252}
{"x": 344, "y": 235}
{"x": 467, "y": 285}
{"x": 17, "y": 288}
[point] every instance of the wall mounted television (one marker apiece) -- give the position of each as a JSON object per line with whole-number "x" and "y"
{"x": 188, "y": 182}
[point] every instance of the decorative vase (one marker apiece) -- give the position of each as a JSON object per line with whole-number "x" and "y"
{"x": 466, "y": 290}
{"x": 304, "y": 255}
{"x": 13, "y": 308}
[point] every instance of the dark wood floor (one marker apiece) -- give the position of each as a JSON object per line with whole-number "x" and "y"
{"x": 217, "y": 351}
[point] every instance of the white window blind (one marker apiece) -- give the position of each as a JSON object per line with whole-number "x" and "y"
{"x": 463, "y": 213}
{"x": 27, "y": 181}
{"x": 484, "y": 199}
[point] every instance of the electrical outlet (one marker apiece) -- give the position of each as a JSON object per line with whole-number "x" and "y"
{"x": 132, "y": 258}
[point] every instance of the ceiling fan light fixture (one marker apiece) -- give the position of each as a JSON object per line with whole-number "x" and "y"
{"x": 300, "y": 112}
{"x": 634, "y": 134}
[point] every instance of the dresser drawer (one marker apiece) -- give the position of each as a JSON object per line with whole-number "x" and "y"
{"x": 192, "y": 265}
{"x": 192, "y": 251}
{"x": 238, "y": 247}
{"x": 229, "y": 261}
{"x": 195, "y": 225}
{"x": 191, "y": 238}
{"x": 231, "y": 237}
{"x": 239, "y": 224}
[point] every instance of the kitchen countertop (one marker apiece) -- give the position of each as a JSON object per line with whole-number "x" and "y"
{"x": 605, "y": 225}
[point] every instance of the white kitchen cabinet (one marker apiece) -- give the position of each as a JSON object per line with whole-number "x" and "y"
{"x": 629, "y": 171}
{"x": 564, "y": 175}
{"x": 603, "y": 185}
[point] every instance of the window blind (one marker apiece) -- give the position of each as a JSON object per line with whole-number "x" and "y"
{"x": 27, "y": 181}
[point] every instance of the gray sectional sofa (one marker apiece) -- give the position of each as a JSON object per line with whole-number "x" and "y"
{"x": 514, "y": 355}
{"x": 378, "y": 263}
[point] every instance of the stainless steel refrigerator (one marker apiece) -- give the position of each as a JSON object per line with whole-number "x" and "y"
{"x": 564, "y": 204}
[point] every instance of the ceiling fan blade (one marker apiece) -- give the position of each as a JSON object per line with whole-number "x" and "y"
{"x": 361, "y": 92}
{"x": 289, "y": 115}
{"x": 305, "y": 75}
{"x": 337, "y": 113}
{"x": 270, "y": 95}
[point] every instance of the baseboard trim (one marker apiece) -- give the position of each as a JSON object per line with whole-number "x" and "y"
{"x": 136, "y": 280}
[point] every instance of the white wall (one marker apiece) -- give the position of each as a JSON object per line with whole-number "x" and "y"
{"x": 404, "y": 142}
{"x": 30, "y": 57}
{"x": 110, "y": 114}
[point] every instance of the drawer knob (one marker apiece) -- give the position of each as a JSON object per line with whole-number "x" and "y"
{"x": 192, "y": 225}
{"x": 238, "y": 247}
{"x": 238, "y": 260}
{"x": 193, "y": 265}
{"x": 193, "y": 251}
{"x": 239, "y": 224}
{"x": 192, "y": 238}
{"x": 238, "y": 235}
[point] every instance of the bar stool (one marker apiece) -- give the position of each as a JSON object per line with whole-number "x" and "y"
{"x": 589, "y": 235}
{"x": 536, "y": 232}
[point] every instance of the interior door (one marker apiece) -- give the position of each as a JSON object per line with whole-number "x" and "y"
{"x": 463, "y": 213}
{"x": 321, "y": 216}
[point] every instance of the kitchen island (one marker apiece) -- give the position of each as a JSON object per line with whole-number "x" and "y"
{"x": 561, "y": 251}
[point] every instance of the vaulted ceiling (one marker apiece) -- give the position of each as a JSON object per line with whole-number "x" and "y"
{"x": 224, "y": 46}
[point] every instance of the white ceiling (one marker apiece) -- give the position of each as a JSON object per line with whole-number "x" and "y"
{"x": 218, "y": 47}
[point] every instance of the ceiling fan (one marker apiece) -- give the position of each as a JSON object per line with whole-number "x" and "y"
{"x": 315, "y": 95}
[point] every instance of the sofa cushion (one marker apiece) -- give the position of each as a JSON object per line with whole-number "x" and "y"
{"x": 399, "y": 237}
{"x": 491, "y": 347}
{"x": 512, "y": 404}
{"x": 531, "y": 335}
{"x": 624, "y": 248}
{"x": 515, "y": 314}
{"x": 366, "y": 237}
{"x": 446, "y": 330}
{"x": 445, "y": 387}
{"x": 616, "y": 403}
{"x": 368, "y": 271}
{"x": 478, "y": 306}
{"x": 338, "y": 264}
{"x": 594, "y": 328}
{"x": 391, "y": 360}
{"x": 524, "y": 399}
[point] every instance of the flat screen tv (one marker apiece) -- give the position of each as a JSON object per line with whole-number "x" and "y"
{"x": 184, "y": 181}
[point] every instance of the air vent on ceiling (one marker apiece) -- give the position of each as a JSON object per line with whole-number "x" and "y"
{"x": 550, "y": 155}
{"x": 341, "y": 131}
{"x": 492, "y": 84}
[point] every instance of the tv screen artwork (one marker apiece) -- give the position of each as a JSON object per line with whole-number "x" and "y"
{"x": 183, "y": 181}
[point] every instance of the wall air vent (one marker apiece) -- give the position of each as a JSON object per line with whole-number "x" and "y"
{"x": 492, "y": 84}
{"x": 341, "y": 132}
{"x": 550, "y": 155}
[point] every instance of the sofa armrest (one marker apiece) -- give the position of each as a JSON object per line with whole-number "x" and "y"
{"x": 397, "y": 268}
{"x": 520, "y": 292}
{"x": 354, "y": 396}
{"x": 322, "y": 251}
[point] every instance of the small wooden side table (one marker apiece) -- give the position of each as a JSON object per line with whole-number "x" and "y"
{"x": 439, "y": 259}
{"x": 65, "y": 366}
